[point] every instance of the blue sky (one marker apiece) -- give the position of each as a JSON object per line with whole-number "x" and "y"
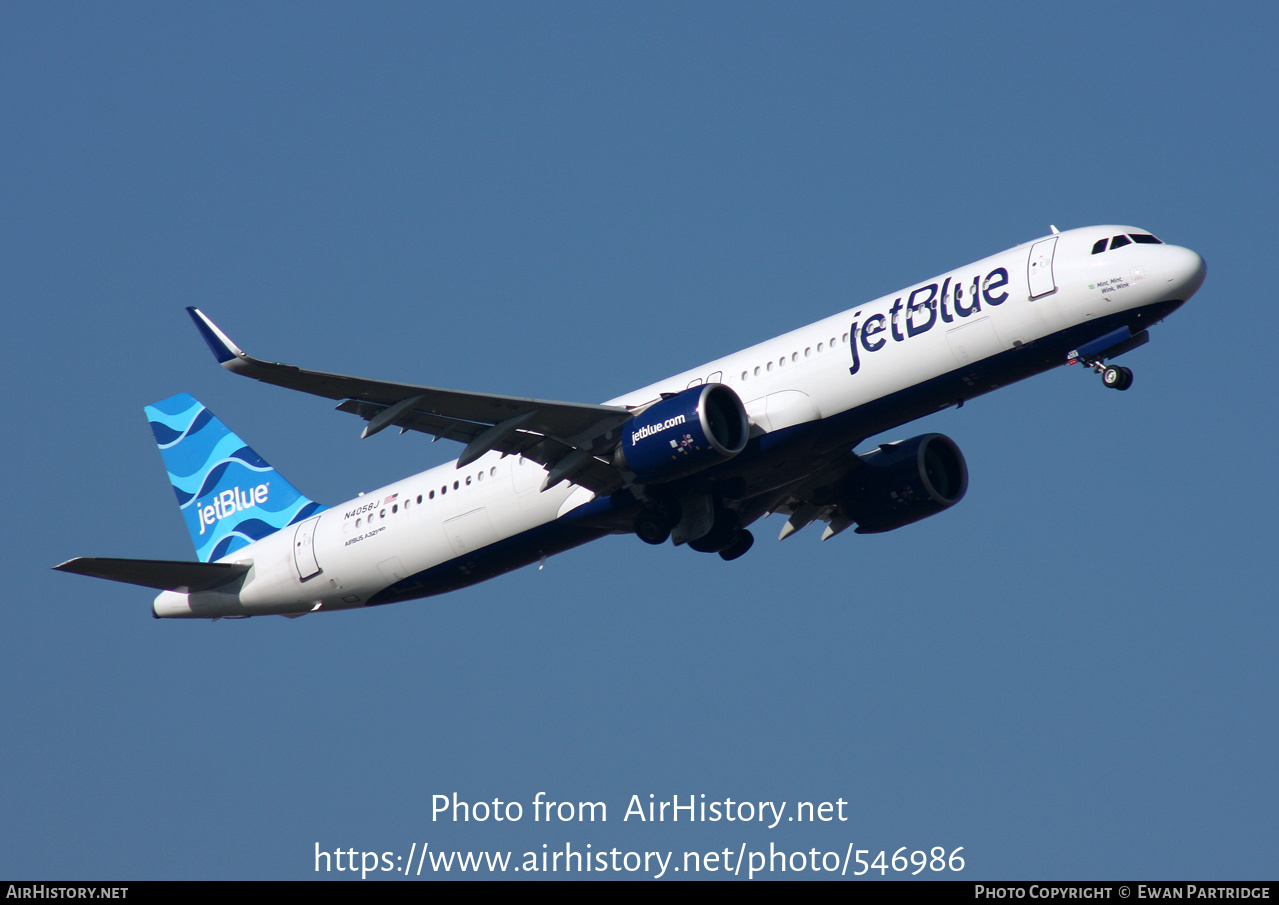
{"x": 1071, "y": 675}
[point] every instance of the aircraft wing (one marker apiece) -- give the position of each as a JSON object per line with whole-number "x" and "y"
{"x": 815, "y": 498}
{"x": 886, "y": 488}
{"x": 573, "y": 440}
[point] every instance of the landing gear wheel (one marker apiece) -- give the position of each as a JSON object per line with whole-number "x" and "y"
{"x": 738, "y": 547}
{"x": 1117, "y": 378}
{"x": 723, "y": 533}
{"x": 652, "y": 528}
{"x": 713, "y": 542}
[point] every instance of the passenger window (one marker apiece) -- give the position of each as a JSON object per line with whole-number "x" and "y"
{"x": 1100, "y": 246}
{"x": 744, "y": 375}
{"x": 419, "y": 499}
{"x": 1119, "y": 242}
{"x": 468, "y": 480}
{"x": 808, "y": 352}
{"x": 819, "y": 347}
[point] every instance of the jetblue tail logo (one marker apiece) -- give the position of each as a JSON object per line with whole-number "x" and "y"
{"x": 229, "y": 502}
{"x": 229, "y": 496}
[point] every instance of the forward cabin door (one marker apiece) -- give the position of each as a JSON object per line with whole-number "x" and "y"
{"x": 1039, "y": 269}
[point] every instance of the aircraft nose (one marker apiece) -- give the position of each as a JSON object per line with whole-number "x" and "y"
{"x": 1186, "y": 270}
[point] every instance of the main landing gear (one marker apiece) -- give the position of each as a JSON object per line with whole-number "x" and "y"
{"x": 653, "y": 526}
{"x": 725, "y": 538}
{"x": 738, "y": 547}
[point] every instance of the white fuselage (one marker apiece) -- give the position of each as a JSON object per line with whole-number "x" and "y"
{"x": 867, "y": 353}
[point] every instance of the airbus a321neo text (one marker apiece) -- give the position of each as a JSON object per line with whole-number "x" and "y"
{"x": 695, "y": 459}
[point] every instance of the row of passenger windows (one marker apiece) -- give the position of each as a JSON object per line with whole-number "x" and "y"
{"x": 492, "y": 472}
{"x": 1121, "y": 241}
{"x": 794, "y": 357}
{"x": 430, "y": 495}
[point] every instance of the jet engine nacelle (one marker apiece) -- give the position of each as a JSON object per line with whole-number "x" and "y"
{"x": 904, "y": 482}
{"x": 684, "y": 433}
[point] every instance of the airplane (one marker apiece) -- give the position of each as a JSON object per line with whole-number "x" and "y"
{"x": 695, "y": 459}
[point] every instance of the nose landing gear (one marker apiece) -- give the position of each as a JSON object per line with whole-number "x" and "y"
{"x": 1115, "y": 377}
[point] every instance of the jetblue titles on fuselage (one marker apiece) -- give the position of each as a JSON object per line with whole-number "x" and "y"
{"x": 923, "y": 307}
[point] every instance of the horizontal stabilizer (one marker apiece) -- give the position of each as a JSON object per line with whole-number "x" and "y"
{"x": 162, "y": 574}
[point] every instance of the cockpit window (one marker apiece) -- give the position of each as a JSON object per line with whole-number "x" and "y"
{"x": 1121, "y": 241}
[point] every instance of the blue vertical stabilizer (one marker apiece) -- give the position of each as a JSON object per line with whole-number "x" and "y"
{"x": 228, "y": 494}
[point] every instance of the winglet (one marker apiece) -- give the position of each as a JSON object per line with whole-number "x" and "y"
{"x": 223, "y": 349}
